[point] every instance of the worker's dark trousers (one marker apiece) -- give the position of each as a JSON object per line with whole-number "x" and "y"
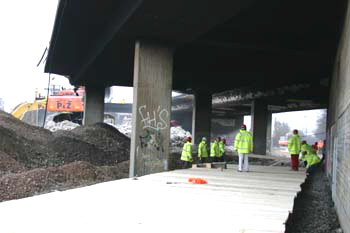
{"x": 220, "y": 159}
{"x": 204, "y": 160}
{"x": 186, "y": 164}
{"x": 312, "y": 168}
{"x": 294, "y": 162}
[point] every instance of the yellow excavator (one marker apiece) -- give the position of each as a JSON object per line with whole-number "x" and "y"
{"x": 64, "y": 105}
{"x": 23, "y": 108}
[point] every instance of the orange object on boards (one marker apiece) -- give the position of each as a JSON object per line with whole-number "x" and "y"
{"x": 197, "y": 181}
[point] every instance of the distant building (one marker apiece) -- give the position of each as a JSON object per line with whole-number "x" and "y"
{"x": 2, "y": 105}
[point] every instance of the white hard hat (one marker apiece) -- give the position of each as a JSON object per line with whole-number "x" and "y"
{"x": 204, "y": 138}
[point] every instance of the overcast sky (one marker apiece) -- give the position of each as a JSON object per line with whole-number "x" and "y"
{"x": 25, "y": 32}
{"x": 301, "y": 120}
{"x": 26, "y": 28}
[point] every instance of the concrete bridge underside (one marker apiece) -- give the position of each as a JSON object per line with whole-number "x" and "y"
{"x": 261, "y": 56}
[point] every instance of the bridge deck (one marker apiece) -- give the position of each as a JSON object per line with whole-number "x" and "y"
{"x": 258, "y": 201}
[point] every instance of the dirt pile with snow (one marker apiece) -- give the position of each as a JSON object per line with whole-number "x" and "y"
{"x": 177, "y": 133}
{"x": 34, "y": 160}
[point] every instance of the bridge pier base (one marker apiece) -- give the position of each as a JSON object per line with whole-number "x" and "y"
{"x": 151, "y": 109}
{"x": 268, "y": 135}
{"x": 93, "y": 104}
{"x": 260, "y": 118}
{"x": 201, "y": 121}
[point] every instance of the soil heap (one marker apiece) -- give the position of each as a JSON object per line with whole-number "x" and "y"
{"x": 34, "y": 160}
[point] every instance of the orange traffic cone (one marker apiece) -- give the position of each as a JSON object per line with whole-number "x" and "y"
{"x": 197, "y": 181}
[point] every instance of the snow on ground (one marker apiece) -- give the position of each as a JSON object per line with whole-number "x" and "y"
{"x": 177, "y": 133}
{"x": 63, "y": 125}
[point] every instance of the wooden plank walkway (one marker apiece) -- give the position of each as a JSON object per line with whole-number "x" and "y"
{"x": 257, "y": 201}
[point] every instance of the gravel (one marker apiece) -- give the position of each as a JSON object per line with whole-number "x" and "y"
{"x": 314, "y": 210}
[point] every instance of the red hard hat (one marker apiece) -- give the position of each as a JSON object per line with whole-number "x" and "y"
{"x": 188, "y": 139}
{"x": 243, "y": 126}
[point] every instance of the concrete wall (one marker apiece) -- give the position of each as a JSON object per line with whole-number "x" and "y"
{"x": 338, "y": 130}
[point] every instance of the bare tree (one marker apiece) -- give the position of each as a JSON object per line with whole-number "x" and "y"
{"x": 321, "y": 123}
{"x": 280, "y": 129}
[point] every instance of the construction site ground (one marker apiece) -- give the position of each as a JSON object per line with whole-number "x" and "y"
{"x": 47, "y": 185}
{"x": 255, "y": 201}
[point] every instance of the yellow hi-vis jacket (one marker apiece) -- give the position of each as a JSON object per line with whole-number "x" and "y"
{"x": 305, "y": 148}
{"x": 186, "y": 154}
{"x": 243, "y": 142}
{"x": 214, "y": 149}
{"x": 294, "y": 144}
{"x": 311, "y": 159}
{"x": 202, "y": 150}
{"x": 221, "y": 149}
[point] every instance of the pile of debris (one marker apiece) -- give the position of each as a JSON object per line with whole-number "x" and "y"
{"x": 34, "y": 160}
{"x": 63, "y": 125}
{"x": 177, "y": 133}
{"x": 178, "y": 136}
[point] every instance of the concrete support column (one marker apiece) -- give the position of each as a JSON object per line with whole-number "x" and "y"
{"x": 238, "y": 122}
{"x": 268, "y": 135}
{"x": 151, "y": 109}
{"x": 201, "y": 121}
{"x": 93, "y": 104}
{"x": 259, "y": 117}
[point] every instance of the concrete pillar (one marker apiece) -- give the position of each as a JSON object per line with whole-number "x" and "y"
{"x": 268, "y": 133}
{"x": 259, "y": 118}
{"x": 201, "y": 121}
{"x": 150, "y": 137}
{"x": 93, "y": 104}
{"x": 239, "y": 120}
{"x": 238, "y": 123}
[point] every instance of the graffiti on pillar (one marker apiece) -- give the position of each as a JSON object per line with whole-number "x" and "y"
{"x": 150, "y": 151}
{"x": 155, "y": 119}
{"x": 152, "y": 140}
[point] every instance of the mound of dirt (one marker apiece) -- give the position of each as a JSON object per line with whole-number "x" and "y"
{"x": 44, "y": 180}
{"x": 17, "y": 141}
{"x": 33, "y": 147}
{"x": 34, "y": 160}
{"x": 9, "y": 165}
{"x": 105, "y": 137}
{"x": 69, "y": 149}
{"x": 20, "y": 128}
